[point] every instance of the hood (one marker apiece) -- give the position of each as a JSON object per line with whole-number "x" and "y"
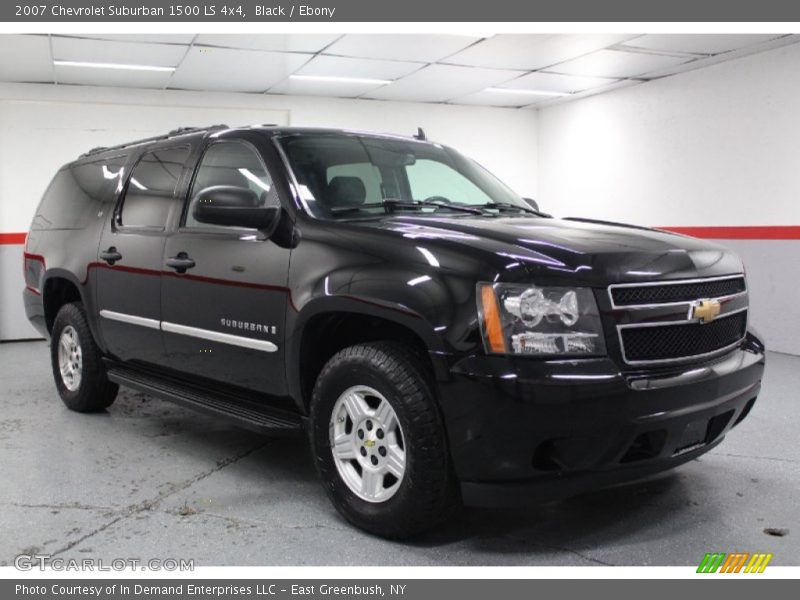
{"x": 592, "y": 252}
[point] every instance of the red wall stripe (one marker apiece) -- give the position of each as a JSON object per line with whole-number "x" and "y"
{"x": 756, "y": 232}
{"x": 12, "y": 238}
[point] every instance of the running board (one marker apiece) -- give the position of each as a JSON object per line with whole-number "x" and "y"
{"x": 245, "y": 413}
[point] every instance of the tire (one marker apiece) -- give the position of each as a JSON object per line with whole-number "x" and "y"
{"x": 82, "y": 383}
{"x": 426, "y": 492}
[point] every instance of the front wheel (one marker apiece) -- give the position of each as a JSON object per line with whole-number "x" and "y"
{"x": 379, "y": 442}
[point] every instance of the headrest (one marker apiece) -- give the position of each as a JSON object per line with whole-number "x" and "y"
{"x": 346, "y": 191}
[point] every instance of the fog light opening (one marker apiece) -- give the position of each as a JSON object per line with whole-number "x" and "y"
{"x": 645, "y": 446}
{"x": 745, "y": 411}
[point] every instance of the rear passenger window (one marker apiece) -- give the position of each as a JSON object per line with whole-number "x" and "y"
{"x": 77, "y": 193}
{"x": 233, "y": 164}
{"x": 151, "y": 188}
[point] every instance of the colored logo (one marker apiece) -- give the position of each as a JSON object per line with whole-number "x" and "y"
{"x": 706, "y": 310}
{"x": 737, "y": 562}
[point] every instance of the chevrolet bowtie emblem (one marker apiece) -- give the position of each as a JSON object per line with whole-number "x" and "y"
{"x": 706, "y": 310}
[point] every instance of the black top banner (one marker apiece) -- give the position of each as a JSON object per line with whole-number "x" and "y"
{"x": 402, "y": 11}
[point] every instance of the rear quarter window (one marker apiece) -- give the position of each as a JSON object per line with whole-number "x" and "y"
{"x": 77, "y": 192}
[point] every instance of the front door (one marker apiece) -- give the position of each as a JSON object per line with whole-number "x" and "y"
{"x": 128, "y": 274}
{"x": 224, "y": 298}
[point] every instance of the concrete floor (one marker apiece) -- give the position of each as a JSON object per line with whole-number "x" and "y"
{"x": 148, "y": 479}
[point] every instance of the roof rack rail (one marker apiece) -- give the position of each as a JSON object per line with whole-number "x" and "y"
{"x": 155, "y": 138}
{"x": 95, "y": 150}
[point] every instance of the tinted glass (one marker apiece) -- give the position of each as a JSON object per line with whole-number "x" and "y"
{"x": 342, "y": 175}
{"x": 233, "y": 164}
{"x": 77, "y": 192}
{"x": 151, "y": 188}
{"x": 430, "y": 178}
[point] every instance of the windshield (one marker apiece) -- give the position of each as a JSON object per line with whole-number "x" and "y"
{"x": 351, "y": 176}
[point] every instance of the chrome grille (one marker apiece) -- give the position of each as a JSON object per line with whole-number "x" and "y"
{"x": 637, "y": 295}
{"x": 669, "y": 342}
{"x": 655, "y": 322}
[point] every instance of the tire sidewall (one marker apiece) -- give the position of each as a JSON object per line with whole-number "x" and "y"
{"x": 95, "y": 392}
{"x": 358, "y": 371}
{"x": 64, "y": 319}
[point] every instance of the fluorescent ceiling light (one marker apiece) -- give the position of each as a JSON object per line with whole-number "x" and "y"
{"x": 332, "y": 79}
{"x": 100, "y": 65}
{"x": 521, "y": 92}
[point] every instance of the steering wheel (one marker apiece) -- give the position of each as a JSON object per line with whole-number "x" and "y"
{"x": 440, "y": 199}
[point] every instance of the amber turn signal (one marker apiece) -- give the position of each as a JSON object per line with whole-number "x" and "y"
{"x": 492, "y": 324}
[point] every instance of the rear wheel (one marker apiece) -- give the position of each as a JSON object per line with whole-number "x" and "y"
{"x": 379, "y": 443}
{"x": 78, "y": 368}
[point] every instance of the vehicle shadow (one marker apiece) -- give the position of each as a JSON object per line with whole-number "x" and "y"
{"x": 609, "y": 516}
{"x": 575, "y": 525}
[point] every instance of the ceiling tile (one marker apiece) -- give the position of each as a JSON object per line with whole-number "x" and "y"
{"x": 438, "y": 83}
{"x": 616, "y": 85}
{"x": 339, "y": 66}
{"x": 31, "y": 62}
{"x": 111, "y": 77}
{"x": 334, "y": 89}
{"x": 161, "y": 55}
{"x": 616, "y": 64}
{"x": 554, "y": 82}
{"x": 413, "y": 47}
{"x": 485, "y": 98}
{"x": 150, "y": 38}
{"x": 234, "y": 70}
{"x": 705, "y": 43}
{"x": 532, "y": 51}
{"x": 277, "y": 42}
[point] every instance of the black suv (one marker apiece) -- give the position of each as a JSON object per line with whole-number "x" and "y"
{"x": 441, "y": 339}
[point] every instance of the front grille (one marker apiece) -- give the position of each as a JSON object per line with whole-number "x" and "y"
{"x": 663, "y": 293}
{"x": 683, "y": 340}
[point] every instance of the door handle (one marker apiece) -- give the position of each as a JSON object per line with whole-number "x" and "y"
{"x": 181, "y": 262}
{"x": 111, "y": 255}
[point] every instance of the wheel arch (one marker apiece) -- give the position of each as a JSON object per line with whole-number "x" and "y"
{"x": 60, "y": 287}
{"x": 327, "y": 325}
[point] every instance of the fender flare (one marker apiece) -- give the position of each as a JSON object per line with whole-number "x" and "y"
{"x": 88, "y": 303}
{"x": 356, "y": 305}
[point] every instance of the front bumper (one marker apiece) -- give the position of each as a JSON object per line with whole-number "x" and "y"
{"x": 523, "y": 431}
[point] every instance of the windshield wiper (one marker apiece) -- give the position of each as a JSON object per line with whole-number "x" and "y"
{"x": 519, "y": 207}
{"x": 391, "y": 203}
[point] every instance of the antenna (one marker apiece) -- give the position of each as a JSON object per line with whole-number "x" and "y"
{"x": 421, "y": 135}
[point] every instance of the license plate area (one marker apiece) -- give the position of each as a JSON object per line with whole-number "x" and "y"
{"x": 694, "y": 436}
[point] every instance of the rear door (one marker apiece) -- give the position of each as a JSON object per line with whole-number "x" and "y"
{"x": 128, "y": 276}
{"x": 223, "y": 316}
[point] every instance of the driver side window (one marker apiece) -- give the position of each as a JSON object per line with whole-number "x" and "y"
{"x": 231, "y": 163}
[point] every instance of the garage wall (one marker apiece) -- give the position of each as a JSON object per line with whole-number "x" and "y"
{"x": 45, "y": 126}
{"x": 712, "y": 152}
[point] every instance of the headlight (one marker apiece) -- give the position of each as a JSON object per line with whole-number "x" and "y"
{"x": 539, "y": 321}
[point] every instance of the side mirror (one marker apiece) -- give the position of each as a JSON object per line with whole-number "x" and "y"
{"x": 234, "y": 206}
{"x": 532, "y": 203}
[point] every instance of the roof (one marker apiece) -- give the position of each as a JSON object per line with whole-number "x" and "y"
{"x": 267, "y": 128}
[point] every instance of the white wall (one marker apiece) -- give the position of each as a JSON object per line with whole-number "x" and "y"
{"x": 45, "y": 126}
{"x": 713, "y": 147}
